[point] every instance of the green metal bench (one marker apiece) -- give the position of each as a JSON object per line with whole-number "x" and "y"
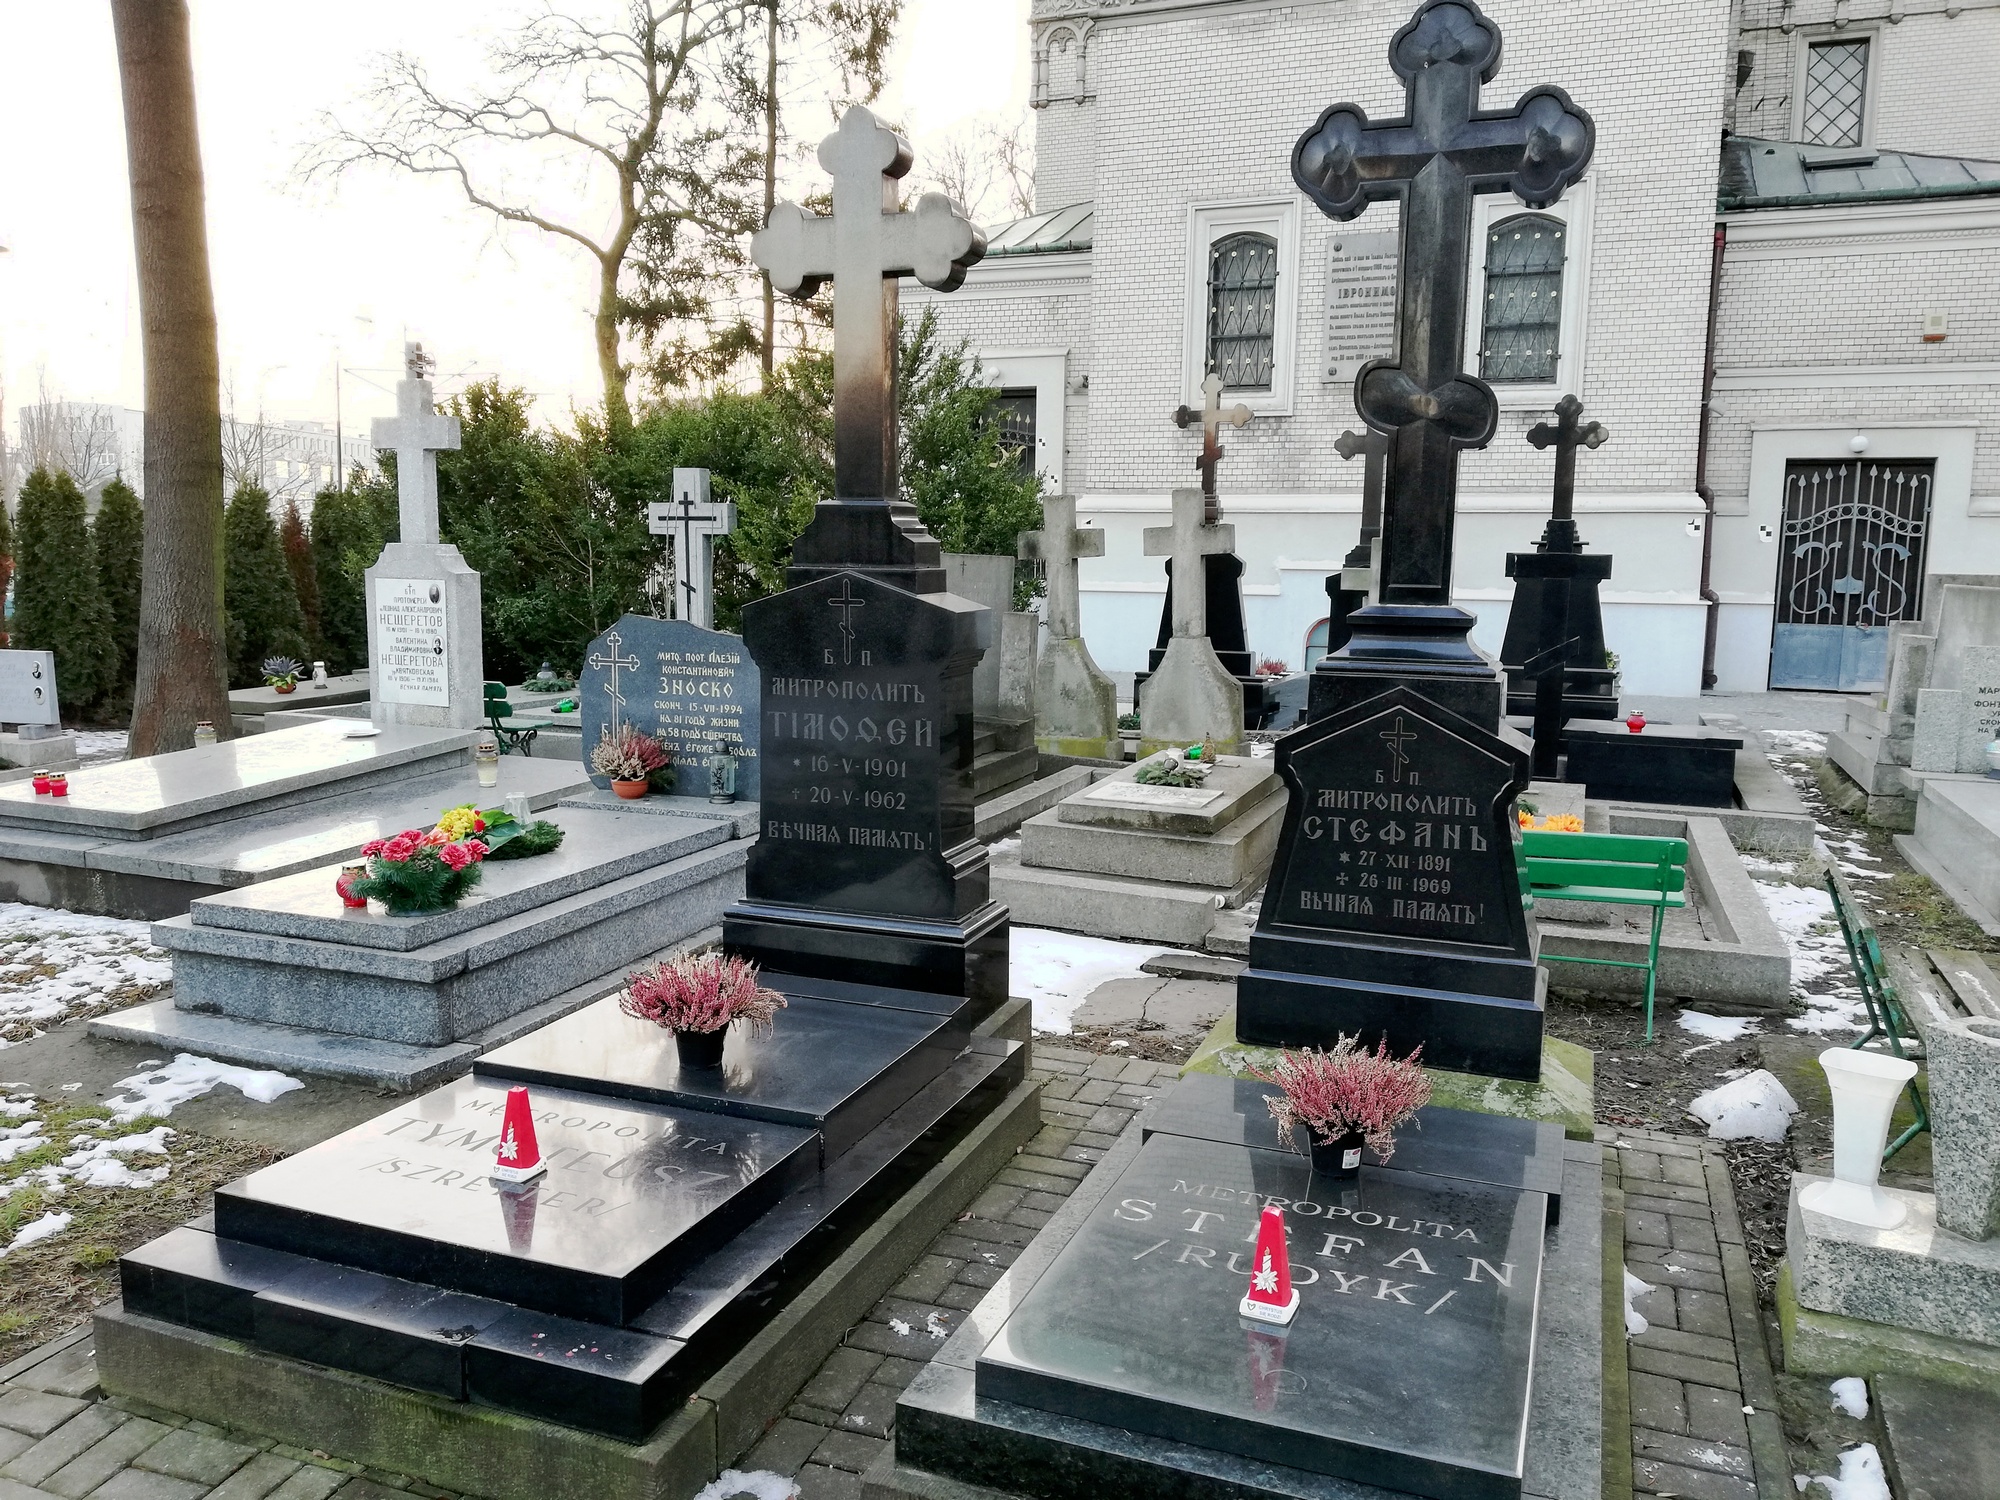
{"x": 1886, "y": 1018}
{"x": 498, "y": 710}
{"x": 1618, "y": 869}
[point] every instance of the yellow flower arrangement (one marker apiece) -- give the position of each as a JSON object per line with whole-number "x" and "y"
{"x": 461, "y": 821}
{"x": 1555, "y": 823}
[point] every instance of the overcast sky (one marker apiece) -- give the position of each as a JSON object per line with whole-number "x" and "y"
{"x": 301, "y": 271}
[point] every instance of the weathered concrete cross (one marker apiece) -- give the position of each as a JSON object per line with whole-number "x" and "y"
{"x": 1211, "y": 416}
{"x": 1057, "y": 546}
{"x": 1436, "y": 157}
{"x": 699, "y": 521}
{"x": 416, "y": 434}
{"x": 1566, "y": 435}
{"x": 1191, "y": 538}
{"x": 866, "y": 244}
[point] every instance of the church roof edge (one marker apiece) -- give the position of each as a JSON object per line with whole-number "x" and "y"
{"x": 1785, "y": 174}
{"x": 1060, "y": 231}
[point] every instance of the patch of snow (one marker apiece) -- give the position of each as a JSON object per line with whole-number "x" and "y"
{"x": 47, "y": 1226}
{"x": 1850, "y": 1394}
{"x": 95, "y": 746}
{"x": 1058, "y": 970}
{"x": 20, "y": 1140}
{"x": 1262, "y": 749}
{"x": 1809, "y": 743}
{"x": 98, "y": 1165}
{"x": 1754, "y": 1107}
{"x": 1635, "y": 1321}
{"x": 53, "y": 961}
{"x": 1860, "y": 1476}
{"x": 156, "y": 1091}
{"x": 1004, "y": 846}
{"x": 935, "y": 1327}
{"x": 761, "y": 1484}
{"x": 898, "y": 1327}
{"x": 1804, "y": 916}
{"x": 1716, "y": 1028}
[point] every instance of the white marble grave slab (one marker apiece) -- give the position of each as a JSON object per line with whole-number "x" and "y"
{"x": 1138, "y": 794}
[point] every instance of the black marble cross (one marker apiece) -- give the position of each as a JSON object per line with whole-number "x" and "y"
{"x": 1441, "y": 152}
{"x": 1372, "y": 448}
{"x": 1566, "y": 434}
{"x": 1547, "y": 673}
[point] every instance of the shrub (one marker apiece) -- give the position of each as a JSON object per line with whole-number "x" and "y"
{"x": 58, "y": 600}
{"x": 257, "y": 593}
{"x": 120, "y": 534}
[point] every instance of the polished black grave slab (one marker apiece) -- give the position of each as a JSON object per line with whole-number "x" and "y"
{"x": 1407, "y": 1366}
{"x": 1680, "y": 765}
{"x": 829, "y": 1066}
{"x": 634, "y": 1194}
{"x": 1440, "y": 1142}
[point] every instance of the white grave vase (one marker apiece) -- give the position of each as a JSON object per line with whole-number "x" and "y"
{"x": 1865, "y": 1089}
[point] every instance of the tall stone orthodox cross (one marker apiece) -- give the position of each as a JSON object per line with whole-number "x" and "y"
{"x": 694, "y": 520}
{"x": 1441, "y": 152}
{"x": 1211, "y": 416}
{"x": 862, "y": 248}
{"x": 1566, "y": 434}
{"x": 1057, "y": 546}
{"x": 1190, "y": 538}
{"x": 416, "y": 434}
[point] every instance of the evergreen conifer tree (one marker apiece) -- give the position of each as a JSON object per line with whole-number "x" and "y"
{"x": 58, "y": 603}
{"x": 119, "y": 533}
{"x": 6, "y": 565}
{"x": 348, "y": 529}
{"x": 292, "y": 536}
{"x": 257, "y": 593}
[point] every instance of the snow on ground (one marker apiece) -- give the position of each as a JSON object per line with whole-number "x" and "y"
{"x": 1635, "y": 1321}
{"x": 95, "y": 746}
{"x": 54, "y": 962}
{"x": 1860, "y": 1477}
{"x": 40, "y": 1229}
{"x": 1716, "y": 1028}
{"x": 1821, "y": 976}
{"x": 1809, "y": 743}
{"x": 760, "y": 1485}
{"x": 1754, "y": 1107}
{"x": 1058, "y": 970}
{"x": 158, "y": 1088}
{"x": 1850, "y": 1394}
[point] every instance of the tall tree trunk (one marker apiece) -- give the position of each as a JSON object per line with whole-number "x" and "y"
{"x": 617, "y": 410}
{"x": 182, "y": 677}
{"x": 770, "y": 181}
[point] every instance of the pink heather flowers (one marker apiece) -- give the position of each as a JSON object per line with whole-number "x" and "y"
{"x": 700, "y": 992}
{"x": 1346, "y": 1090}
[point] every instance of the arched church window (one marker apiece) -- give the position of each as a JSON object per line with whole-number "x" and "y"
{"x": 1242, "y": 310}
{"x": 1522, "y": 325}
{"x": 1316, "y": 640}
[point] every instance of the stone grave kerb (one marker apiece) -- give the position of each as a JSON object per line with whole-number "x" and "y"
{"x": 1076, "y": 705}
{"x": 425, "y": 656}
{"x": 1190, "y": 698}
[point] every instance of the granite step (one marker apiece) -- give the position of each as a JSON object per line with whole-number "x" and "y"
{"x": 1958, "y": 831}
{"x": 1001, "y": 772}
{"x": 1939, "y": 1441}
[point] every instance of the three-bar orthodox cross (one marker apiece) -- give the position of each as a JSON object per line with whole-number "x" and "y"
{"x": 1435, "y": 158}
{"x": 615, "y": 663}
{"x": 1566, "y": 434}
{"x": 699, "y": 520}
{"x": 863, "y": 247}
{"x": 1211, "y": 416}
{"x": 417, "y": 434}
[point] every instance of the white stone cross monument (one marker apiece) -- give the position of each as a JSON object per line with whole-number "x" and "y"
{"x": 424, "y": 652}
{"x": 1076, "y": 705}
{"x": 1191, "y": 699}
{"x": 694, "y": 521}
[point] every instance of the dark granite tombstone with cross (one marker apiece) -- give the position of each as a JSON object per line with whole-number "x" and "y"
{"x": 1555, "y": 589}
{"x": 865, "y": 868}
{"x": 1395, "y": 907}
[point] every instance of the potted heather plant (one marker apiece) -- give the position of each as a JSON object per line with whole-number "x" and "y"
{"x": 1346, "y": 1097}
{"x": 634, "y": 761}
{"x": 417, "y": 872}
{"x": 696, "y": 996}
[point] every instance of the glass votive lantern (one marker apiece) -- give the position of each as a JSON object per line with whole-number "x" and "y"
{"x": 319, "y": 675}
{"x": 345, "y": 885}
{"x": 721, "y": 768}
{"x": 204, "y": 733}
{"x": 487, "y": 759}
{"x": 58, "y": 784}
{"x": 41, "y": 780}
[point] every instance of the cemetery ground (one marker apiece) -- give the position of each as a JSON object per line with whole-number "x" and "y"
{"x": 1129, "y": 1028}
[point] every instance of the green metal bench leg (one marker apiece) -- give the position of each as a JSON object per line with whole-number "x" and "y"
{"x": 1653, "y": 966}
{"x": 1917, "y": 1127}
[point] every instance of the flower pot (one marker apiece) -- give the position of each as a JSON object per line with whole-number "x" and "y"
{"x": 700, "y": 1049}
{"x": 1338, "y": 1160}
{"x": 631, "y": 791}
{"x": 1865, "y": 1087}
{"x": 285, "y": 687}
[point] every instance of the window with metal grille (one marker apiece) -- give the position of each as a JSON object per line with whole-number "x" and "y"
{"x": 1836, "y": 92}
{"x": 1242, "y": 310}
{"x": 1014, "y": 410}
{"x": 1522, "y": 333}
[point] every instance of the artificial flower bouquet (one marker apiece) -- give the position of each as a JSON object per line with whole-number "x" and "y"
{"x": 1553, "y": 823}
{"x": 417, "y": 872}
{"x": 504, "y": 835}
{"x": 1189, "y": 767}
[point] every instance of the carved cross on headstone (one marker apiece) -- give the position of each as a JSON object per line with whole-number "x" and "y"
{"x": 615, "y": 662}
{"x": 1211, "y": 416}
{"x": 416, "y": 434}
{"x": 847, "y": 604}
{"x": 1057, "y": 546}
{"x": 1396, "y": 737}
{"x": 863, "y": 247}
{"x": 694, "y": 520}
{"x": 1566, "y": 434}
{"x": 1436, "y": 157}
{"x": 1191, "y": 538}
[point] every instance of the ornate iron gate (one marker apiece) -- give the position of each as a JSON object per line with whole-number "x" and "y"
{"x": 1850, "y": 562}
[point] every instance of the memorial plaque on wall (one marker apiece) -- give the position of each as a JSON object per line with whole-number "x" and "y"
{"x": 694, "y": 689}
{"x": 409, "y": 644}
{"x": 1360, "y": 302}
{"x": 867, "y": 746}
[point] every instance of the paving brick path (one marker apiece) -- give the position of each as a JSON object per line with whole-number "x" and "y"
{"x": 1692, "y": 1373}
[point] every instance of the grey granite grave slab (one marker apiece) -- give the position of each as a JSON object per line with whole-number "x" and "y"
{"x": 1918, "y": 1275}
{"x": 598, "y": 848}
{"x": 162, "y": 794}
{"x": 1120, "y": 800}
{"x": 256, "y": 702}
{"x": 1240, "y": 850}
{"x": 463, "y": 984}
{"x": 1940, "y": 726}
{"x": 1958, "y": 827}
{"x": 1942, "y": 1443}
{"x": 740, "y": 816}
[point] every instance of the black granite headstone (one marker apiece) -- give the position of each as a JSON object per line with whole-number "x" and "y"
{"x": 866, "y": 868}
{"x": 695, "y": 689}
{"x": 1407, "y": 1365}
{"x": 1396, "y": 906}
{"x": 1679, "y": 765}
